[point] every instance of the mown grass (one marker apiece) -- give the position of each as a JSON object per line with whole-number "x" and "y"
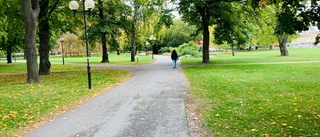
{"x": 23, "y": 105}
{"x": 258, "y": 56}
{"x": 122, "y": 59}
{"x": 258, "y": 99}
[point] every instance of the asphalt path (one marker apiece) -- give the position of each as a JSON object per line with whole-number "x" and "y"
{"x": 149, "y": 104}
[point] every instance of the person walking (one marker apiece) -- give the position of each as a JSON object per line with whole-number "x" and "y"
{"x": 174, "y": 57}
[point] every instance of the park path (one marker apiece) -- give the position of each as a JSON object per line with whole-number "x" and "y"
{"x": 149, "y": 104}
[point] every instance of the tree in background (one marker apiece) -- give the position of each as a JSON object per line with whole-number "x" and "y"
{"x": 179, "y": 33}
{"x": 11, "y": 32}
{"x": 31, "y": 9}
{"x": 112, "y": 16}
{"x": 234, "y": 27}
{"x": 292, "y": 16}
{"x": 203, "y": 14}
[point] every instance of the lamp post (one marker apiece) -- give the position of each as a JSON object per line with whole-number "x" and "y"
{"x": 62, "y": 40}
{"x": 88, "y": 5}
{"x": 152, "y": 38}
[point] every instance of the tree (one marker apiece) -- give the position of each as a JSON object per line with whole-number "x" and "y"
{"x": 179, "y": 33}
{"x": 31, "y": 11}
{"x": 44, "y": 36}
{"x": 52, "y": 16}
{"x": 112, "y": 15}
{"x": 234, "y": 27}
{"x": 292, "y": 16}
{"x": 11, "y": 32}
{"x": 202, "y": 14}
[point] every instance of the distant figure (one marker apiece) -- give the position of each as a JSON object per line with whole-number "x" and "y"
{"x": 174, "y": 57}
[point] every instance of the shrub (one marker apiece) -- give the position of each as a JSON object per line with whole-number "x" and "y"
{"x": 188, "y": 49}
{"x": 163, "y": 50}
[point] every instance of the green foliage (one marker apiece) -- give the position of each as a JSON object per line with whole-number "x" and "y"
{"x": 163, "y": 50}
{"x": 179, "y": 33}
{"x": 188, "y": 49}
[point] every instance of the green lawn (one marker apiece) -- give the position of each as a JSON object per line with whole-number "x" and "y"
{"x": 22, "y": 105}
{"x": 122, "y": 59}
{"x": 258, "y": 99}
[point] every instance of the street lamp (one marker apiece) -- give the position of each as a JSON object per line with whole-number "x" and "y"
{"x": 152, "y": 38}
{"x": 62, "y": 40}
{"x": 88, "y": 5}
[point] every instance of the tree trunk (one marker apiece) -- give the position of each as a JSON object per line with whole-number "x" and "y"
{"x": 232, "y": 47}
{"x": 133, "y": 32}
{"x": 206, "y": 38}
{"x": 283, "y": 44}
{"x": 9, "y": 54}
{"x": 271, "y": 47}
{"x": 30, "y": 14}
{"x": 44, "y": 32}
{"x": 105, "y": 56}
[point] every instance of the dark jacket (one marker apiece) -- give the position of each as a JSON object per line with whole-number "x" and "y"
{"x": 174, "y": 55}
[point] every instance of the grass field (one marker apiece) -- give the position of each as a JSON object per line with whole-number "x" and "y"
{"x": 23, "y": 105}
{"x": 122, "y": 59}
{"x": 244, "y": 98}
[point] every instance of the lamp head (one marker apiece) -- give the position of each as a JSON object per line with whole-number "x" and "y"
{"x": 89, "y": 4}
{"x": 73, "y": 5}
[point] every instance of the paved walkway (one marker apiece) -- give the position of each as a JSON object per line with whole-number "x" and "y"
{"x": 149, "y": 104}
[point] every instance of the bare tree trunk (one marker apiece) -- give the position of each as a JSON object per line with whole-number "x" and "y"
{"x": 105, "y": 56}
{"x": 232, "y": 50}
{"x": 44, "y": 30}
{"x": 283, "y": 44}
{"x": 30, "y": 14}
{"x": 9, "y": 53}
{"x": 271, "y": 47}
{"x": 133, "y": 32}
{"x": 206, "y": 35}
{"x": 44, "y": 66}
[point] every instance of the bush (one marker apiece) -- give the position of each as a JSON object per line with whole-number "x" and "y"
{"x": 163, "y": 50}
{"x": 188, "y": 49}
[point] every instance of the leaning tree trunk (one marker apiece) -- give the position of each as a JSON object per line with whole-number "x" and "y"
{"x": 44, "y": 31}
{"x": 30, "y": 14}
{"x": 283, "y": 44}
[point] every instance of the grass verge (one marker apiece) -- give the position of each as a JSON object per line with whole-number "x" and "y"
{"x": 258, "y": 99}
{"x": 23, "y": 105}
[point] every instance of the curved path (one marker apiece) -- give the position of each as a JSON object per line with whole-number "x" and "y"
{"x": 149, "y": 104}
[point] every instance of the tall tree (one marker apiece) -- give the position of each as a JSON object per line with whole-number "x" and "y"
{"x": 202, "y": 14}
{"x": 44, "y": 36}
{"x": 292, "y": 16}
{"x": 52, "y": 15}
{"x": 31, "y": 11}
{"x": 112, "y": 16}
{"x": 234, "y": 27}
